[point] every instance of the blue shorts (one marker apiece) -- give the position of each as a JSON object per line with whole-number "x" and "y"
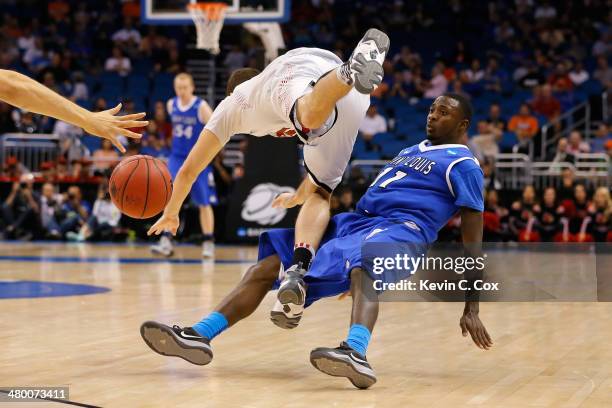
{"x": 203, "y": 191}
{"x": 343, "y": 248}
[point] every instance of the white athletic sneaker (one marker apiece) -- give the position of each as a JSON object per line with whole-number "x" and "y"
{"x": 364, "y": 69}
{"x": 164, "y": 247}
{"x": 208, "y": 249}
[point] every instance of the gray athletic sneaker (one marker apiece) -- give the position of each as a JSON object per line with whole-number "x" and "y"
{"x": 364, "y": 69}
{"x": 291, "y": 296}
{"x": 175, "y": 341}
{"x": 343, "y": 361}
{"x": 164, "y": 247}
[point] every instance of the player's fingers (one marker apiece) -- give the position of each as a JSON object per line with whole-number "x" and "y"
{"x": 277, "y": 202}
{"x": 131, "y": 124}
{"x": 481, "y": 340}
{"x": 474, "y": 337}
{"x": 488, "y": 337}
{"x": 130, "y": 134}
{"x": 115, "y": 110}
{"x": 117, "y": 144}
{"x": 464, "y": 330}
{"x": 132, "y": 116}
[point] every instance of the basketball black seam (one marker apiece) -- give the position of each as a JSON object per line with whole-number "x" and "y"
{"x": 127, "y": 182}
{"x": 163, "y": 178}
{"x": 144, "y": 208}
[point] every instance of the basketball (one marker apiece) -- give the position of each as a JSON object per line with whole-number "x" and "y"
{"x": 140, "y": 186}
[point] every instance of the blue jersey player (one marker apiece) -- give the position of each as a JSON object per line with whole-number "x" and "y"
{"x": 189, "y": 115}
{"x": 411, "y": 199}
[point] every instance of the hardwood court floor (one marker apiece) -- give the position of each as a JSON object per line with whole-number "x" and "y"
{"x": 545, "y": 354}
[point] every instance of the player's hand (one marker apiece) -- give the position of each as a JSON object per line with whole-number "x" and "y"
{"x": 286, "y": 200}
{"x": 107, "y": 125}
{"x": 165, "y": 223}
{"x": 470, "y": 323}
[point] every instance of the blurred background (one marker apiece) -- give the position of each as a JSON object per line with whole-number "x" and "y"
{"x": 537, "y": 72}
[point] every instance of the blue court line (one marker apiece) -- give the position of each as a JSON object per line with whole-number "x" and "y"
{"x": 77, "y": 259}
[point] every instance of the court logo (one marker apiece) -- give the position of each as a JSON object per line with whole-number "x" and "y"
{"x": 258, "y": 205}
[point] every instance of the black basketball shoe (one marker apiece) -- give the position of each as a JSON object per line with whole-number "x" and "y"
{"x": 343, "y": 361}
{"x": 175, "y": 341}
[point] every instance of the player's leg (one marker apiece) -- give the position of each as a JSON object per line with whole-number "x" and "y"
{"x": 193, "y": 343}
{"x": 164, "y": 246}
{"x": 203, "y": 192}
{"x": 348, "y": 360}
{"x": 207, "y": 223}
{"x": 363, "y": 70}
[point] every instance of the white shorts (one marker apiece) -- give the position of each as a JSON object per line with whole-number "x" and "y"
{"x": 262, "y": 106}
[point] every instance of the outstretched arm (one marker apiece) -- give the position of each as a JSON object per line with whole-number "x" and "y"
{"x": 471, "y": 233}
{"x": 200, "y": 156}
{"x": 23, "y": 92}
{"x": 314, "y": 214}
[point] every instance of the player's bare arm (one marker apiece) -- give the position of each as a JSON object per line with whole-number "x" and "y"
{"x": 471, "y": 233}
{"x": 202, "y": 154}
{"x": 25, "y": 93}
{"x": 205, "y": 112}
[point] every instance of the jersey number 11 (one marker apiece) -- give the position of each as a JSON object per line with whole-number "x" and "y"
{"x": 398, "y": 176}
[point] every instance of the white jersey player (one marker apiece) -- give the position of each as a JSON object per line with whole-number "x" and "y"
{"x": 307, "y": 93}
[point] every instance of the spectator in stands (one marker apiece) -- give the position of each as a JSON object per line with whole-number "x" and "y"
{"x": 578, "y": 74}
{"x": 601, "y": 213}
{"x": 156, "y": 147}
{"x": 372, "y": 124}
{"x": 69, "y": 139}
{"x": 235, "y": 59}
{"x": 484, "y": 144}
{"x": 494, "y": 77}
{"x": 545, "y": 103}
{"x": 458, "y": 89}
{"x": 566, "y": 192}
{"x": 522, "y": 211}
{"x": 560, "y": 80}
{"x": 545, "y": 12}
{"x": 602, "y": 140}
{"x": 14, "y": 169}
{"x": 20, "y": 210}
{"x": 524, "y": 125}
{"x": 495, "y": 117}
{"x": 50, "y": 207}
{"x": 603, "y": 73}
{"x": 164, "y": 128}
{"x": 576, "y": 144}
{"x": 399, "y": 88}
{"x": 474, "y": 77}
{"x": 603, "y": 46}
{"x": 26, "y": 122}
{"x": 549, "y": 217}
{"x": 581, "y": 209}
{"x": 75, "y": 211}
{"x": 118, "y": 63}
{"x": 105, "y": 157}
{"x": 345, "y": 195}
{"x": 495, "y": 218}
{"x": 80, "y": 92}
{"x": 61, "y": 173}
{"x": 562, "y": 154}
{"x": 127, "y": 37}
{"x": 104, "y": 219}
{"x": 490, "y": 180}
{"x": 438, "y": 84}
{"x": 533, "y": 78}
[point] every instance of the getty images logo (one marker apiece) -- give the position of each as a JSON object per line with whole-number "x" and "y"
{"x": 258, "y": 205}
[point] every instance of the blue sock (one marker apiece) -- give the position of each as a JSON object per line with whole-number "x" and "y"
{"x": 211, "y": 325}
{"x": 359, "y": 338}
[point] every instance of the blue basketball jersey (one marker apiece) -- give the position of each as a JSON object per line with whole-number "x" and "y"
{"x": 427, "y": 185}
{"x": 186, "y": 126}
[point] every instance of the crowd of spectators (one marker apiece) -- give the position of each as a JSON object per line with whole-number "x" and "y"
{"x": 548, "y": 53}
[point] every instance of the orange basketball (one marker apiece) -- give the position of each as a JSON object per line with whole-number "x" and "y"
{"x": 140, "y": 186}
